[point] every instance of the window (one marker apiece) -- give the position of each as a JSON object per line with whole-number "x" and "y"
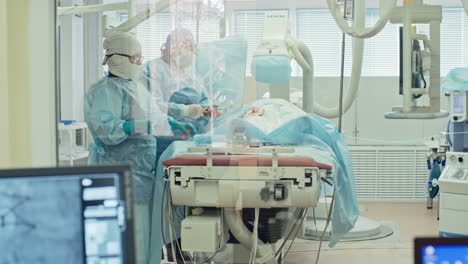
{"x": 153, "y": 33}
{"x": 249, "y": 24}
{"x": 317, "y": 28}
{"x": 204, "y": 30}
{"x": 381, "y": 52}
{"x": 454, "y": 39}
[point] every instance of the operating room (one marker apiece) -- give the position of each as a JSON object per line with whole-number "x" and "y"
{"x": 233, "y": 131}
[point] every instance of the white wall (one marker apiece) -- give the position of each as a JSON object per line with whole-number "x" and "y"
{"x": 42, "y": 83}
{"x": 376, "y": 96}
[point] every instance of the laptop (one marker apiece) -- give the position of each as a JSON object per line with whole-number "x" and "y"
{"x": 441, "y": 250}
{"x": 67, "y": 215}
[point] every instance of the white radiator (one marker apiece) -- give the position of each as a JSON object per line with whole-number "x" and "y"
{"x": 390, "y": 172}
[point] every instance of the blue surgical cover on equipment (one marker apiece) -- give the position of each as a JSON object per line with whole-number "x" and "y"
{"x": 456, "y": 81}
{"x": 221, "y": 67}
{"x": 311, "y": 136}
{"x": 271, "y": 69}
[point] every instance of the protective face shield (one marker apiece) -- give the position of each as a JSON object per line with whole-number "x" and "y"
{"x": 123, "y": 55}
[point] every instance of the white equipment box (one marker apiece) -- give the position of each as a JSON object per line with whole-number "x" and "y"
{"x": 454, "y": 196}
{"x": 209, "y": 227}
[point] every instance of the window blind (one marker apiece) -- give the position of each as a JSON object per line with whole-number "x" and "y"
{"x": 249, "y": 24}
{"x": 205, "y": 30}
{"x": 454, "y": 39}
{"x": 153, "y": 33}
{"x": 317, "y": 29}
{"x": 381, "y": 53}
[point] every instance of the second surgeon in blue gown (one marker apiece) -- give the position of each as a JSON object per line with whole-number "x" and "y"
{"x": 172, "y": 81}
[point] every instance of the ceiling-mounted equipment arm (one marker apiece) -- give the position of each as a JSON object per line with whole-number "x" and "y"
{"x": 386, "y": 6}
{"x": 130, "y": 24}
{"x": 73, "y": 10}
{"x": 139, "y": 18}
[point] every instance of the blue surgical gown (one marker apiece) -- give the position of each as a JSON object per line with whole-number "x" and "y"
{"x": 108, "y": 104}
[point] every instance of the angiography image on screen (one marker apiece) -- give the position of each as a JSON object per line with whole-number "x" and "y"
{"x": 40, "y": 221}
{"x": 101, "y": 205}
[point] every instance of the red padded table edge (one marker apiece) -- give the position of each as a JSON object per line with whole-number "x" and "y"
{"x": 245, "y": 161}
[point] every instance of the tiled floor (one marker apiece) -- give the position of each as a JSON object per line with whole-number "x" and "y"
{"x": 413, "y": 218}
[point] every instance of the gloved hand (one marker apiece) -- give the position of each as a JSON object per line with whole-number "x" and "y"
{"x": 185, "y": 128}
{"x": 193, "y": 111}
{"x": 212, "y": 111}
{"x": 133, "y": 127}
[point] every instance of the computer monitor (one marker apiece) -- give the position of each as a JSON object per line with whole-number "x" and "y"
{"x": 441, "y": 250}
{"x": 67, "y": 215}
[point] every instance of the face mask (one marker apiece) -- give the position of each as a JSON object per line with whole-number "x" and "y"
{"x": 185, "y": 60}
{"x": 133, "y": 71}
{"x": 121, "y": 66}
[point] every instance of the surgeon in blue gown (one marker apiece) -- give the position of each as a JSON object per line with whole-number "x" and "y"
{"x": 123, "y": 122}
{"x": 172, "y": 72}
{"x": 174, "y": 85}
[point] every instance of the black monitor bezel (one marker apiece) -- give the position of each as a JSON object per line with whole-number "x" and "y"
{"x": 126, "y": 191}
{"x": 419, "y": 243}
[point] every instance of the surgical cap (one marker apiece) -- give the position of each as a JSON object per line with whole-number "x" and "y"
{"x": 181, "y": 37}
{"x": 123, "y": 43}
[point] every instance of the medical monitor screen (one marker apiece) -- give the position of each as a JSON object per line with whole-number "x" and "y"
{"x": 62, "y": 219}
{"x": 441, "y": 250}
{"x": 454, "y": 254}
